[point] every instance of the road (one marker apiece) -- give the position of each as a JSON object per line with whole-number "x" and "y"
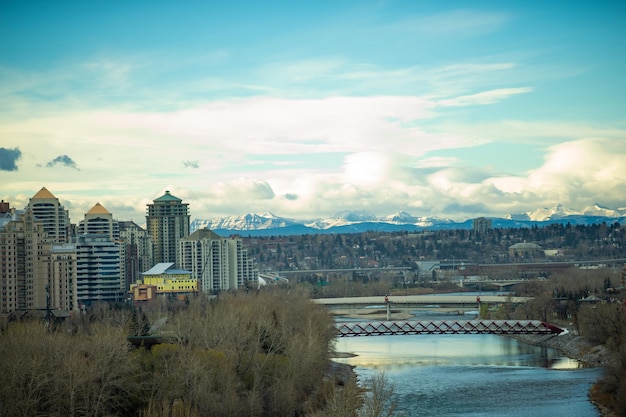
{"x": 428, "y": 299}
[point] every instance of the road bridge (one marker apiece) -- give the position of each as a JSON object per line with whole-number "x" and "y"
{"x": 422, "y": 300}
{"x": 501, "y": 283}
{"x": 389, "y": 328}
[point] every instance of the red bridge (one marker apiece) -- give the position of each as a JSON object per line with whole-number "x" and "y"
{"x": 388, "y": 328}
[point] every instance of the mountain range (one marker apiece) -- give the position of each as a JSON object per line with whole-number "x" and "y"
{"x": 358, "y": 221}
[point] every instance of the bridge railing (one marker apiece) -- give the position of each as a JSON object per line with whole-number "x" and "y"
{"x": 388, "y": 328}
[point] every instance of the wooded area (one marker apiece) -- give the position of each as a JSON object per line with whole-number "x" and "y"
{"x": 252, "y": 354}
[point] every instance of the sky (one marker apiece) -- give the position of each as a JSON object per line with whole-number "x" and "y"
{"x": 449, "y": 109}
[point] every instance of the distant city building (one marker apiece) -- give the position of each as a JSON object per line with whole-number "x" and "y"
{"x": 99, "y": 238}
{"x": 136, "y": 251}
{"x": 98, "y": 269}
{"x": 56, "y": 221}
{"x": 482, "y": 225}
{"x": 23, "y": 275}
{"x": 164, "y": 279}
{"x": 167, "y": 222}
{"x": 4, "y": 207}
{"x": 99, "y": 220}
{"x": 217, "y": 263}
{"x": 63, "y": 277}
{"x": 524, "y": 250}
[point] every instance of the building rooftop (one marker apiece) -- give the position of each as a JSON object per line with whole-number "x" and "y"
{"x": 98, "y": 209}
{"x": 167, "y": 197}
{"x": 165, "y": 268}
{"x": 43, "y": 193}
{"x": 525, "y": 245}
{"x": 159, "y": 268}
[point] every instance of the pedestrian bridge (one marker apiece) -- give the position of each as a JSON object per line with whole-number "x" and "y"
{"x": 389, "y": 328}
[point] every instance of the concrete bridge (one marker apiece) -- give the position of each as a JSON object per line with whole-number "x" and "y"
{"x": 388, "y": 328}
{"x": 422, "y": 300}
{"x": 489, "y": 282}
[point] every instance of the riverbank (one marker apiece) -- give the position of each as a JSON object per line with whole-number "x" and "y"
{"x": 572, "y": 346}
{"x": 576, "y": 347}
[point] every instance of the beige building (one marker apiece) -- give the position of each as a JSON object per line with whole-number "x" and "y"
{"x": 218, "y": 263}
{"x": 23, "y": 262}
{"x": 55, "y": 219}
{"x": 62, "y": 277}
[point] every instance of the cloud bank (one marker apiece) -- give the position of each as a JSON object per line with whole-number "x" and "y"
{"x": 9, "y": 158}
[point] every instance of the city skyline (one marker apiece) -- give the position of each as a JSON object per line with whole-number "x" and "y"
{"x": 451, "y": 110}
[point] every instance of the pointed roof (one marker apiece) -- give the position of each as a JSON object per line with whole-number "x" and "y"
{"x": 159, "y": 268}
{"x": 43, "y": 193}
{"x": 98, "y": 209}
{"x": 167, "y": 197}
{"x": 202, "y": 234}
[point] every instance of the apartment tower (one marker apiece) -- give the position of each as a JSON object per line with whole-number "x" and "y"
{"x": 217, "y": 263}
{"x": 99, "y": 220}
{"x": 137, "y": 251}
{"x": 167, "y": 221}
{"x": 99, "y": 258}
{"x": 23, "y": 277}
{"x": 56, "y": 220}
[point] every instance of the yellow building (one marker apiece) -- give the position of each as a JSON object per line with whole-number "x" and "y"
{"x": 167, "y": 280}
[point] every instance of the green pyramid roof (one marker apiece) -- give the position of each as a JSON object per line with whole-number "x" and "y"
{"x": 167, "y": 197}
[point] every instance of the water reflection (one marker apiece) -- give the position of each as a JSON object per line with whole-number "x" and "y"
{"x": 397, "y": 352}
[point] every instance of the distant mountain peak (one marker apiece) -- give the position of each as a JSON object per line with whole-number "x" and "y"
{"x": 355, "y": 215}
{"x": 352, "y": 221}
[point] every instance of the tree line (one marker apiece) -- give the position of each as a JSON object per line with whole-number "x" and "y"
{"x": 240, "y": 354}
{"x": 321, "y": 251}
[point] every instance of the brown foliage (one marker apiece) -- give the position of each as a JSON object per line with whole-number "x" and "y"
{"x": 241, "y": 354}
{"x": 61, "y": 374}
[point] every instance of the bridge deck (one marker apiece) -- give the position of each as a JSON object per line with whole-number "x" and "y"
{"x": 387, "y": 328}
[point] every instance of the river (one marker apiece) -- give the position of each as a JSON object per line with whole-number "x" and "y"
{"x": 473, "y": 375}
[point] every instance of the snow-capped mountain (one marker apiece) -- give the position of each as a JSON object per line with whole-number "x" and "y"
{"x": 560, "y": 212}
{"x": 598, "y": 210}
{"x": 342, "y": 218}
{"x": 252, "y": 221}
{"x": 268, "y": 224}
{"x": 402, "y": 217}
{"x": 544, "y": 214}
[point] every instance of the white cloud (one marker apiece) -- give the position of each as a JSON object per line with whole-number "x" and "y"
{"x": 482, "y": 98}
{"x": 575, "y": 173}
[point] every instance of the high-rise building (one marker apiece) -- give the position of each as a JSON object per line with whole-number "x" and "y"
{"x": 167, "y": 221}
{"x": 482, "y": 225}
{"x": 217, "y": 263}
{"x": 56, "y": 221}
{"x": 98, "y": 269}
{"x": 62, "y": 277}
{"x": 136, "y": 251}
{"x": 99, "y": 257}
{"x": 99, "y": 220}
{"x": 23, "y": 276}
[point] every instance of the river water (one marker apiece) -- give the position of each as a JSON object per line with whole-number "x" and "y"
{"x": 473, "y": 375}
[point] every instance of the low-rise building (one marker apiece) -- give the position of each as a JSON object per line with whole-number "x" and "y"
{"x": 164, "y": 279}
{"x": 525, "y": 250}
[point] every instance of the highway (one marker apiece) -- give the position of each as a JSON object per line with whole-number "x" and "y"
{"x": 428, "y": 299}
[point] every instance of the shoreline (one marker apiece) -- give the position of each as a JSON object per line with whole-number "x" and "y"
{"x": 576, "y": 347}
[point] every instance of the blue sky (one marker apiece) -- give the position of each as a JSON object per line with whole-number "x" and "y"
{"x": 447, "y": 109}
